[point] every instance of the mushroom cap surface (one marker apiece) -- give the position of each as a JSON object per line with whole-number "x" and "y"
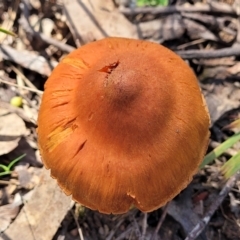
{"x": 122, "y": 122}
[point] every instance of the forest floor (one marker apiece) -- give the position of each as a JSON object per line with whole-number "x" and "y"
{"x": 206, "y": 34}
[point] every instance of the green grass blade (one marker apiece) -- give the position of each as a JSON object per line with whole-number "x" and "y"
{"x": 141, "y": 3}
{"x": 231, "y": 166}
{"x": 5, "y": 173}
{"x": 163, "y": 2}
{"x": 16, "y": 160}
{"x": 5, "y": 168}
{"x": 220, "y": 149}
{"x": 7, "y": 32}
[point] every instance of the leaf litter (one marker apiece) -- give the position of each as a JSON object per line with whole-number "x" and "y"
{"x": 205, "y": 33}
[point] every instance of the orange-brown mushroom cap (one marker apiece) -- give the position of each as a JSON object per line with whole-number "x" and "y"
{"x": 122, "y": 122}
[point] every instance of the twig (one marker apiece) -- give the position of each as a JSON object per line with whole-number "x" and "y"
{"x": 78, "y": 226}
{"x": 225, "y": 52}
{"x": 19, "y": 111}
{"x": 144, "y": 225}
{"x": 21, "y": 82}
{"x": 124, "y": 234}
{"x": 3, "y": 182}
{"x": 136, "y": 228}
{"x": 60, "y": 45}
{"x": 26, "y": 80}
{"x": 119, "y": 222}
{"x": 51, "y": 50}
{"x": 28, "y": 60}
{"x": 214, "y": 7}
{"x": 196, "y": 231}
{"x": 40, "y": 36}
{"x": 23, "y": 87}
{"x": 237, "y": 9}
{"x": 112, "y": 232}
{"x": 192, "y": 43}
{"x": 24, "y": 6}
{"x": 163, "y": 216}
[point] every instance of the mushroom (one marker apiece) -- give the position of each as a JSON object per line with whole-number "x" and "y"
{"x": 122, "y": 122}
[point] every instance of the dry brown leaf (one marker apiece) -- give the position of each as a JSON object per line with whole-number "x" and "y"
{"x": 42, "y": 213}
{"x": 28, "y": 177}
{"x": 182, "y": 210}
{"x": 9, "y": 212}
{"x": 196, "y": 30}
{"x": 167, "y": 28}
{"x": 12, "y": 127}
{"x": 93, "y": 20}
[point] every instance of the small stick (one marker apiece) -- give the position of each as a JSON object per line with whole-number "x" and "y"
{"x": 78, "y": 226}
{"x": 60, "y": 45}
{"x": 136, "y": 228}
{"x": 204, "y": 8}
{"x": 23, "y": 87}
{"x": 163, "y": 216}
{"x": 124, "y": 234}
{"x": 196, "y": 231}
{"x": 29, "y": 30}
{"x": 25, "y": 79}
{"x": 3, "y": 182}
{"x": 30, "y": 60}
{"x": 207, "y": 54}
{"x": 112, "y": 232}
{"x": 144, "y": 227}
